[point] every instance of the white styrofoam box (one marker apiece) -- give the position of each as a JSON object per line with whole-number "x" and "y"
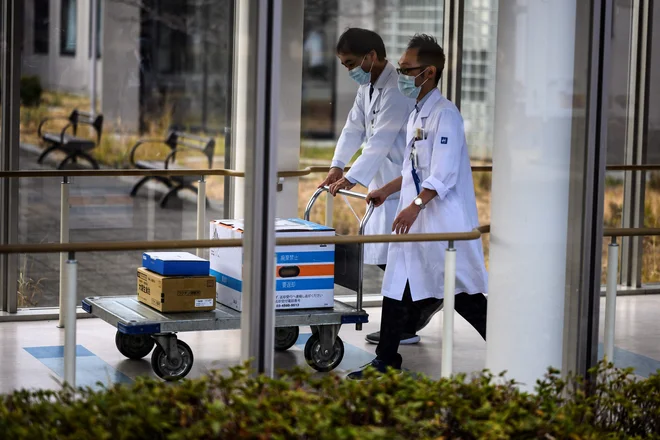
{"x": 304, "y": 274}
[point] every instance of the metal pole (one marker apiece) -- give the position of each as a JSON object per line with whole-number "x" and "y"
{"x": 329, "y": 206}
{"x": 259, "y": 38}
{"x": 70, "y": 324}
{"x": 610, "y": 298}
{"x": 448, "y": 310}
{"x": 201, "y": 212}
{"x": 93, "y": 54}
{"x": 64, "y": 238}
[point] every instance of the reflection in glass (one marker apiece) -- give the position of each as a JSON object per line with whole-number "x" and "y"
{"x": 163, "y": 68}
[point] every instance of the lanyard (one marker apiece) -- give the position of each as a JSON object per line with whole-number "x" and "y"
{"x": 413, "y": 159}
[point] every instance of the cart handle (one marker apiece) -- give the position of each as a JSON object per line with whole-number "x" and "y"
{"x": 357, "y": 195}
{"x": 363, "y": 223}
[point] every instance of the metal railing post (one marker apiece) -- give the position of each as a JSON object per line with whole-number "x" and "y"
{"x": 201, "y": 212}
{"x": 70, "y": 322}
{"x": 610, "y": 298}
{"x": 329, "y": 207}
{"x": 64, "y": 238}
{"x": 448, "y": 310}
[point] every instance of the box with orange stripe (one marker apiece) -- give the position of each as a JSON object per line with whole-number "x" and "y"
{"x": 304, "y": 277}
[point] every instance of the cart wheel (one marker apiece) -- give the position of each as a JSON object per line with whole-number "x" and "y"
{"x": 134, "y": 346}
{"x": 286, "y": 337}
{"x": 314, "y": 355}
{"x": 172, "y": 370}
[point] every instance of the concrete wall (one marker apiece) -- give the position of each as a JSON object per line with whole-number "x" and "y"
{"x": 59, "y": 72}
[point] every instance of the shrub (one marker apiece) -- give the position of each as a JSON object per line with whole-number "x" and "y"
{"x": 31, "y": 91}
{"x": 299, "y": 406}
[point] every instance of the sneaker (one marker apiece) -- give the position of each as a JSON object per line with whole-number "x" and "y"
{"x": 377, "y": 365}
{"x": 406, "y": 338}
{"x": 428, "y": 313}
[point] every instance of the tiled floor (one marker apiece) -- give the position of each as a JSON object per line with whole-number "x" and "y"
{"x": 30, "y": 361}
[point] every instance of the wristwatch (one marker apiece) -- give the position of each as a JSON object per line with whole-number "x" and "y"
{"x": 419, "y": 202}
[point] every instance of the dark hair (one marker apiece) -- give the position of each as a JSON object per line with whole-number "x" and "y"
{"x": 359, "y": 41}
{"x": 429, "y": 53}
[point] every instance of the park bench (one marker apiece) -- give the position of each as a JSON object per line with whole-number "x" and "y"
{"x": 71, "y": 144}
{"x": 177, "y": 142}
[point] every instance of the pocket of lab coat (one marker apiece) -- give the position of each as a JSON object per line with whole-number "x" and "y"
{"x": 424, "y": 149}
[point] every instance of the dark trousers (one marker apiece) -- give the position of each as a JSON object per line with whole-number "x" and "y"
{"x": 396, "y": 314}
{"x": 410, "y": 323}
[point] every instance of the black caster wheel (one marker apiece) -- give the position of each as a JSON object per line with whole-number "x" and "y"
{"x": 134, "y": 346}
{"x": 285, "y": 337}
{"x": 171, "y": 370}
{"x": 320, "y": 361}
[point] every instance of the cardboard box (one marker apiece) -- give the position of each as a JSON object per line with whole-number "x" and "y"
{"x": 175, "y": 294}
{"x": 175, "y": 264}
{"x": 305, "y": 275}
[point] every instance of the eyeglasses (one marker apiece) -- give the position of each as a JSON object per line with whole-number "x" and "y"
{"x": 407, "y": 70}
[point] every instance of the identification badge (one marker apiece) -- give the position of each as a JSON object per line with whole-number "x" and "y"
{"x": 420, "y": 134}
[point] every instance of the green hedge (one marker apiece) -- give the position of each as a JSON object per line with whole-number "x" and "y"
{"x": 299, "y": 406}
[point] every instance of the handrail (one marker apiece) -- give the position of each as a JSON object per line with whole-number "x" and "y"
{"x": 631, "y": 232}
{"x": 116, "y": 246}
{"x": 231, "y": 173}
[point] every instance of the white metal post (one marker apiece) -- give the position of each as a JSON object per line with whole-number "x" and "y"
{"x": 64, "y": 238}
{"x": 329, "y": 206}
{"x": 201, "y": 212}
{"x": 93, "y": 53}
{"x": 610, "y": 298}
{"x": 448, "y": 310}
{"x": 70, "y": 323}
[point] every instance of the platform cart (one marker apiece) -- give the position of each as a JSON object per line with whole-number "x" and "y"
{"x": 142, "y": 330}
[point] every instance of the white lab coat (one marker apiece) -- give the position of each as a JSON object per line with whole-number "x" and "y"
{"x": 444, "y": 166}
{"x": 381, "y": 125}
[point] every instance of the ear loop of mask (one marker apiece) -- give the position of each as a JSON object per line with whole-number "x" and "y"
{"x": 372, "y": 63}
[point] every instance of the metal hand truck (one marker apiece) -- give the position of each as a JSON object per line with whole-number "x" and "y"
{"x": 141, "y": 329}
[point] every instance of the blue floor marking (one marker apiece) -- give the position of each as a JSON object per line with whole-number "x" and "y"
{"x": 90, "y": 369}
{"x": 354, "y": 357}
{"x": 644, "y": 366}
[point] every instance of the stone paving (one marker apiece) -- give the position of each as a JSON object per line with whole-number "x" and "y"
{"x": 101, "y": 210}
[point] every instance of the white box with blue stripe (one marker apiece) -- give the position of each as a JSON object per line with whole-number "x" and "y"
{"x": 305, "y": 275}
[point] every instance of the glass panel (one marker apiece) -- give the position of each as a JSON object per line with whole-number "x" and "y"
{"x": 478, "y": 95}
{"x": 618, "y": 118}
{"x": 651, "y": 246}
{"x": 329, "y": 93}
{"x": 163, "y": 66}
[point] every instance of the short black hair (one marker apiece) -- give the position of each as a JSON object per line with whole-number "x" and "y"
{"x": 359, "y": 41}
{"x": 429, "y": 53}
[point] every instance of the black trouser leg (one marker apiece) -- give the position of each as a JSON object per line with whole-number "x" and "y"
{"x": 395, "y": 316}
{"x": 411, "y": 324}
{"x": 474, "y": 309}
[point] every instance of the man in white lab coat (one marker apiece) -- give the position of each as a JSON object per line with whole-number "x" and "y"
{"x": 377, "y": 120}
{"x": 436, "y": 195}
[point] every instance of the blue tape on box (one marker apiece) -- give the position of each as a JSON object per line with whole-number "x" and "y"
{"x": 175, "y": 264}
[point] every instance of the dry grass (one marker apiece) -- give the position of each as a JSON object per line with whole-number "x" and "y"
{"x": 116, "y": 145}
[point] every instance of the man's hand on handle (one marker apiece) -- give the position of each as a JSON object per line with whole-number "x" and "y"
{"x": 377, "y": 196}
{"x": 334, "y": 175}
{"x": 342, "y": 183}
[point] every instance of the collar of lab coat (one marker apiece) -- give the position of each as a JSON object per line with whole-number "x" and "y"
{"x": 381, "y": 82}
{"x": 416, "y": 119}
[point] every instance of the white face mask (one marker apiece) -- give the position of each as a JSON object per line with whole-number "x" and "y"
{"x": 359, "y": 75}
{"x": 407, "y": 85}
